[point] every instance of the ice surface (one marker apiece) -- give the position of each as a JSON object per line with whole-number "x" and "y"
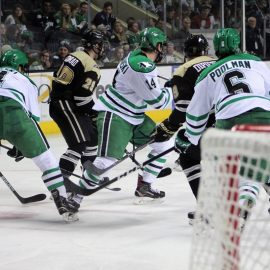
{"x": 112, "y": 233}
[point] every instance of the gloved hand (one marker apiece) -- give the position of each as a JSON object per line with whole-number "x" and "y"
{"x": 169, "y": 83}
{"x": 15, "y": 153}
{"x": 182, "y": 143}
{"x": 165, "y": 131}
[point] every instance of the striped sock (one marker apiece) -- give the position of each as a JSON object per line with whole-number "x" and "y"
{"x": 53, "y": 179}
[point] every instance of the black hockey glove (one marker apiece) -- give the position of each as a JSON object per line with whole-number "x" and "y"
{"x": 15, "y": 153}
{"x": 182, "y": 143}
{"x": 165, "y": 131}
{"x": 169, "y": 83}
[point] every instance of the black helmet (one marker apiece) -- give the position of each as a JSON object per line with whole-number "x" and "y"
{"x": 195, "y": 45}
{"x": 93, "y": 39}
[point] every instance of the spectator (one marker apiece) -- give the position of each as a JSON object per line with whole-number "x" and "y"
{"x": 44, "y": 18}
{"x": 43, "y": 62}
{"x": 187, "y": 11}
{"x": 17, "y": 17}
{"x": 119, "y": 54}
{"x": 118, "y": 36}
{"x": 152, "y": 22}
{"x": 204, "y": 20}
{"x": 105, "y": 17}
{"x": 133, "y": 35}
{"x": 82, "y": 15}
{"x": 43, "y": 24}
{"x": 171, "y": 16}
{"x": 63, "y": 50}
{"x": 171, "y": 56}
{"x": 182, "y": 34}
{"x": 104, "y": 30}
{"x": 65, "y": 21}
{"x": 13, "y": 35}
{"x": 253, "y": 37}
{"x": 3, "y": 32}
{"x": 130, "y": 20}
{"x": 5, "y": 48}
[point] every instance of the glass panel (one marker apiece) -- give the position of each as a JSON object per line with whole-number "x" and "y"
{"x": 48, "y": 30}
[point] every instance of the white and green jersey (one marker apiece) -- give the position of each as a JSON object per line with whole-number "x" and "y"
{"x": 233, "y": 85}
{"x": 135, "y": 86}
{"x": 15, "y": 85}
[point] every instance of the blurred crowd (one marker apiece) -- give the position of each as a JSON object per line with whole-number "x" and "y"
{"x": 49, "y": 30}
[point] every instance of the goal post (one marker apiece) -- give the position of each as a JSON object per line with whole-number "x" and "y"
{"x": 229, "y": 234}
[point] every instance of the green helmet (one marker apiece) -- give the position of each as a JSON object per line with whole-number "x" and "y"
{"x": 14, "y": 59}
{"x": 226, "y": 42}
{"x": 151, "y": 37}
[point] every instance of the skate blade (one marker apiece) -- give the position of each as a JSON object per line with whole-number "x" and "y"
{"x": 70, "y": 217}
{"x": 147, "y": 200}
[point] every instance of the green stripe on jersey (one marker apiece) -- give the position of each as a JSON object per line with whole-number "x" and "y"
{"x": 111, "y": 89}
{"x": 17, "y": 94}
{"x": 157, "y": 100}
{"x": 113, "y": 108}
{"x": 239, "y": 99}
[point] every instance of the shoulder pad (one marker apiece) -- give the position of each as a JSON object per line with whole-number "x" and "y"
{"x": 140, "y": 63}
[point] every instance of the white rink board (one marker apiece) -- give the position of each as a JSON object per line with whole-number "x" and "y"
{"x": 112, "y": 234}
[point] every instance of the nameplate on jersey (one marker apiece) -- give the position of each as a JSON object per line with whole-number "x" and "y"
{"x": 73, "y": 61}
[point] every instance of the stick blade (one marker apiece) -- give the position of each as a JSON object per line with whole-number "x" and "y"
{"x": 32, "y": 199}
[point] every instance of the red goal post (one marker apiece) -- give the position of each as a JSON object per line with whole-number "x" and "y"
{"x": 222, "y": 238}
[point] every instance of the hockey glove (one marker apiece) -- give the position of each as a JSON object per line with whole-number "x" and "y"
{"x": 165, "y": 131}
{"x": 15, "y": 153}
{"x": 182, "y": 143}
{"x": 169, "y": 83}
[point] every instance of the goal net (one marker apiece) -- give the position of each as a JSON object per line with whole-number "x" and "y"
{"x": 229, "y": 234}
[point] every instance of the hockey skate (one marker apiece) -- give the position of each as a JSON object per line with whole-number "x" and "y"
{"x": 65, "y": 207}
{"x": 75, "y": 200}
{"x": 145, "y": 194}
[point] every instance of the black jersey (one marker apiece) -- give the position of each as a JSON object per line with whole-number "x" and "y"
{"x": 76, "y": 80}
{"x": 183, "y": 83}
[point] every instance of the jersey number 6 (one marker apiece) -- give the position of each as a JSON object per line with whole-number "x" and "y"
{"x": 234, "y": 84}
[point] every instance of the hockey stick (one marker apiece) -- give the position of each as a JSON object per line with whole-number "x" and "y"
{"x": 163, "y": 78}
{"x": 5, "y": 147}
{"x": 76, "y": 175}
{"x": 88, "y": 165}
{"x": 80, "y": 177}
{"x": 106, "y": 181}
{"x": 163, "y": 173}
{"x": 23, "y": 200}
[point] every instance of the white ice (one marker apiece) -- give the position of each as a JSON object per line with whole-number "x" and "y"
{"x": 112, "y": 233}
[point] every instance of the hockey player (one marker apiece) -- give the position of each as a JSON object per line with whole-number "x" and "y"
{"x": 183, "y": 83}
{"x": 19, "y": 111}
{"x": 238, "y": 86}
{"x": 71, "y": 105}
{"x": 122, "y": 107}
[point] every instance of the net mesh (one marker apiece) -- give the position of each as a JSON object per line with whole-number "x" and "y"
{"x": 229, "y": 235}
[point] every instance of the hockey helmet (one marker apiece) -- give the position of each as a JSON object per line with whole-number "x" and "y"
{"x": 226, "y": 42}
{"x": 150, "y": 38}
{"x": 196, "y": 45}
{"x": 93, "y": 39}
{"x": 15, "y": 59}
